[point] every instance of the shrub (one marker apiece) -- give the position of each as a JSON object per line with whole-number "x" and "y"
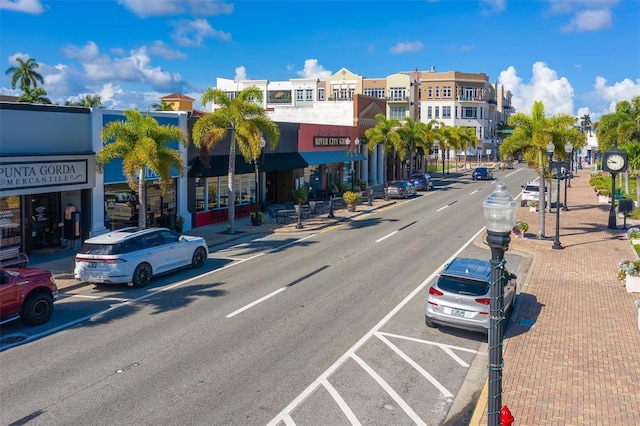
{"x": 351, "y": 197}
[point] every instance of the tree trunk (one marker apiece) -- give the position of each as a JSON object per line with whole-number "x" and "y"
{"x": 142, "y": 200}
{"x": 542, "y": 201}
{"x": 231, "y": 200}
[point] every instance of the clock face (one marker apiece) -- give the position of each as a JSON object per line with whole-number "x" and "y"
{"x": 615, "y": 162}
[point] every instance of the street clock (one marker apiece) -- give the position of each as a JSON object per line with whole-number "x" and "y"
{"x": 614, "y": 161}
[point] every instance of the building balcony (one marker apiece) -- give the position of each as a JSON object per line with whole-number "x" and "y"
{"x": 280, "y": 101}
{"x": 398, "y": 99}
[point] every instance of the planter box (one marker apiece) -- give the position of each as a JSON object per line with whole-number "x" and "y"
{"x": 603, "y": 200}
{"x": 632, "y": 284}
{"x": 635, "y": 241}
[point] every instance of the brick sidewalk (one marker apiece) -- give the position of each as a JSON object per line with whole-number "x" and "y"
{"x": 579, "y": 364}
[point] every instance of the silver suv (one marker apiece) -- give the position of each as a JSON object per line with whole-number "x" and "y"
{"x": 461, "y": 295}
{"x": 132, "y": 256}
{"x": 531, "y": 193}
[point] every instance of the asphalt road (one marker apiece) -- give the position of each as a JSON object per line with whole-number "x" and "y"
{"x": 323, "y": 328}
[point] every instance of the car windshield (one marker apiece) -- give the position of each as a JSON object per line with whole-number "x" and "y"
{"x": 99, "y": 249}
{"x": 481, "y": 170}
{"x": 461, "y": 286}
{"x": 418, "y": 177}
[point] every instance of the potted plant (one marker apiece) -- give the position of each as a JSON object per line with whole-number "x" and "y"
{"x": 300, "y": 194}
{"x": 257, "y": 218}
{"x": 351, "y": 199}
{"x": 362, "y": 184}
{"x": 634, "y": 235}
{"x": 628, "y": 272}
{"x": 533, "y": 206}
{"x": 520, "y": 228}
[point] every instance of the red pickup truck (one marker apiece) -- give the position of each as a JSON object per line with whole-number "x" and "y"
{"x": 28, "y": 294}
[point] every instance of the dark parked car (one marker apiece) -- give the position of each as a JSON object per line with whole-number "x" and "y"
{"x": 422, "y": 181}
{"x": 482, "y": 173}
{"x": 400, "y": 189}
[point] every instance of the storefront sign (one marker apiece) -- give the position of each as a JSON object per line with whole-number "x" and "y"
{"x": 329, "y": 141}
{"x": 42, "y": 174}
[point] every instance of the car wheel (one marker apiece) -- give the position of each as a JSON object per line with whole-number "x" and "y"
{"x": 37, "y": 309}
{"x": 199, "y": 257}
{"x": 429, "y": 323}
{"x": 142, "y": 275}
{"x": 523, "y": 203}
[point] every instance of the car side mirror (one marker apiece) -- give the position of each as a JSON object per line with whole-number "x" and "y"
{"x": 182, "y": 239}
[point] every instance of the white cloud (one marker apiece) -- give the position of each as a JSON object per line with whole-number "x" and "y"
{"x": 312, "y": 69}
{"x": 624, "y": 90}
{"x": 589, "y": 20}
{"x": 19, "y": 55}
{"x": 33, "y": 7}
{"x": 492, "y": 6}
{"x": 161, "y": 49}
{"x": 241, "y": 74}
{"x": 556, "y": 93}
{"x": 193, "y": 32}
{"x": 406, "y": 47}
{"x": 147, "y": 8}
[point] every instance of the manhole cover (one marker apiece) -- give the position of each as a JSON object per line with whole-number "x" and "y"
{"x": 10, "y": 340}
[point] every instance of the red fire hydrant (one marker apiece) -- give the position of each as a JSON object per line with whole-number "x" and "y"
{"x": 506, "y": 419}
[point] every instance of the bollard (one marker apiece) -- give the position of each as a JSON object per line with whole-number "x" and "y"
{"x": 506, "y": 419}
{"x": 331, "y": 215}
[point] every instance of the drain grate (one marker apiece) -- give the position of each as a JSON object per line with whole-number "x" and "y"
{"x": 10, "y": 340}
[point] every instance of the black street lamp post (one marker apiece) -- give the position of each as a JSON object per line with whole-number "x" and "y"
{"x": 499, "y": 215}
{"x": 568, "y": 149}
{"x": 257, "y": 200}
{"x": 556, "y": 241}
{"x": 352, "y": 153}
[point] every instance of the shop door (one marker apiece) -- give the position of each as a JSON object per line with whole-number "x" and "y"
{"x": 43, "y": 229}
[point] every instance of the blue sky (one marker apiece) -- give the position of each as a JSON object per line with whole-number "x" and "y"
{"x": 576, "y": 56}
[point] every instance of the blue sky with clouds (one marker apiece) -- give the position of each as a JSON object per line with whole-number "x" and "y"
{"x": 576, "y": 56}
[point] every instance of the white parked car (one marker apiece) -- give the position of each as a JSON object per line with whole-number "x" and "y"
{"x": 132, "y": 256}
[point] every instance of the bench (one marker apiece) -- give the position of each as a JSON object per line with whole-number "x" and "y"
{"x": 12, "y": 257}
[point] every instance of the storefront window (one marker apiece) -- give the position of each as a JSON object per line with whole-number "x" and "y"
{"x": 218, "y": 191}
{"x": 121, "y": 205}
{"x": 10, "y": 229}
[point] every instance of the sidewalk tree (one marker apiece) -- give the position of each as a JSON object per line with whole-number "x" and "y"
{"x": 245, "y": 119}
{"x": 530, "y": 137}
{"x": 466, "y": 137}
{"x": 141, "y": 142}
{"x": 623, "y": 128}
{"x": 385, "y": 133}
{"x": 413, "y": 135}
{"x": 89, "y": 101}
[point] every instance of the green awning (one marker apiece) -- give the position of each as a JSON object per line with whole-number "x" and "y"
{"x": 270, "y": 162}
{"x": 327, "y": 157}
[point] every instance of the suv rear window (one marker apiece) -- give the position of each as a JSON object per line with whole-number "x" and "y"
{"x": 532, "y": 188}
{"x": 108, "y": 249}
{"x": 460, "y": 286}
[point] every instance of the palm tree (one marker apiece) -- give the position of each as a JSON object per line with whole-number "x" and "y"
{"x": 623, "y": 128}
{"x": 141, "y": 143}
{"x": 26, "y": 73}
{"x": 466, "y": 137}
{"x": 385, "y": 132}
{"x": 413, "y": 134}
{"x": 34, "y": 96}
{"x": 531, "y": 135}
{"x": 163, "y": 106}
{"x": 245, "y": 118}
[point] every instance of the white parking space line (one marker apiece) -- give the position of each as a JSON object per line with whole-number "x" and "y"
{"x": 442, "y": 208}
{"x": 477, "y": 190}
{"x": 252, "y": 304}
{"x": 351, "y": 352}
{"x": 393, "y": 394}
{"x": 444, "y": 391}
{"x": 448, "y": 349}
{"x": 386, "y": 236}
{"x": 341, "y": 402}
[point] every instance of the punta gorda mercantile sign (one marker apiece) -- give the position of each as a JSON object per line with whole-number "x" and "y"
{"x": 42, "y": 174}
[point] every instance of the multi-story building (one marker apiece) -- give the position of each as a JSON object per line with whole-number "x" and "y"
{"x": 453, "y": 98}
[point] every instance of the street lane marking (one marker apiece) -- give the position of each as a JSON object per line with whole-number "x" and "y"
{"x": 334, "y": 367}
{"x": 252, "y": 304}
{"x": 386, "y": 236}
{"x": 86, "y": 296}
{"x": 415, "y": 365}
{"x": 446, "y": 348}
{"x": 392, "y": 393}
{"x": 341, "y": 402}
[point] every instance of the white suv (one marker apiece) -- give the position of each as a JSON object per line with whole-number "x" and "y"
{"x": 132, "y": 256}
{"x": 531, "y": 192}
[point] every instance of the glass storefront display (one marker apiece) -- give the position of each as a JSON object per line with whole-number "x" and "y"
{"x": 10, "y": 224}
{"x": 121, "y": 205}
{"x": 213, "y": 193}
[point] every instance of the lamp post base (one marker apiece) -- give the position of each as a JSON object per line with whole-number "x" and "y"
{"x": 557, "y": 245}
{"x": 612, "y": 220}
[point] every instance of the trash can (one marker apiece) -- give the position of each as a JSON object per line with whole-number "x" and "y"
{"x": 625, "y": 206}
